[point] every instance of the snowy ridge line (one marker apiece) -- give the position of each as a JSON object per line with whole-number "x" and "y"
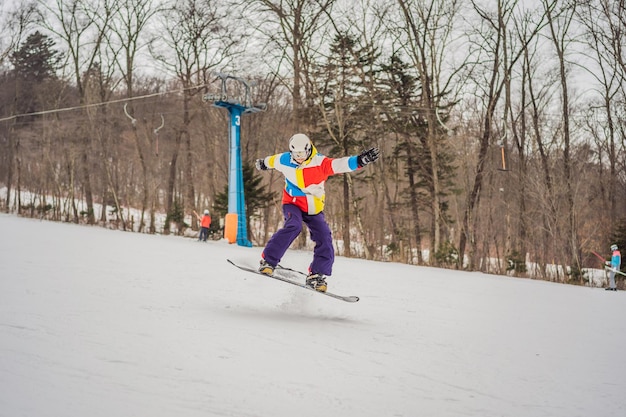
{"x": 595, "y": 277}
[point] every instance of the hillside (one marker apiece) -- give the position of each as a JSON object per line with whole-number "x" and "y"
{"x": 95, "y": 322}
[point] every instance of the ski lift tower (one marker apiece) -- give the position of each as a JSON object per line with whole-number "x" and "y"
{"x": 235, "y": 228}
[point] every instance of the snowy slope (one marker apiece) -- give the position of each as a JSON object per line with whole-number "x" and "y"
{"x": 96, "y": 322}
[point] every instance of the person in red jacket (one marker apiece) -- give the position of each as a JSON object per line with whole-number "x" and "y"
{"x": 205, "y": 223}
{"x": 306, "y": 172}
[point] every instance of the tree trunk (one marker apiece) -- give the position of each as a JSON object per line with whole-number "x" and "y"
{"x": 414, "y": 204}
{"x": 559, "y": 41}
{"x": 171, "y": 182}
{"x": 188, "y": 169}
{"x": 347, "y": 251}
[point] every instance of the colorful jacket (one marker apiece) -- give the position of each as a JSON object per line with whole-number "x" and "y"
{"x": 616, "y": 259}
{"x": 304, "y": 184}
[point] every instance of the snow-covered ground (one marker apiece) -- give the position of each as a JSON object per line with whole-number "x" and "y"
{"x": 95, "y": 322}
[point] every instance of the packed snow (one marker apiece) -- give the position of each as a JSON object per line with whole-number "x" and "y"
{"x": 95, "y": 322}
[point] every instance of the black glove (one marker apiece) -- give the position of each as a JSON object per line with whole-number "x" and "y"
{"x": 367, "y": 157}
{"x": 260, "y": 165}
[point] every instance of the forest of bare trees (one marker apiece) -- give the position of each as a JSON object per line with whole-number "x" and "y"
{"x": 502, "y": 123}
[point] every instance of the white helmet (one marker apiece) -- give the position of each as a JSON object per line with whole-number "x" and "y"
{"x": 300, "y": 146}
{"x": 614, "y": 247}
{"x": 206, "y": 211}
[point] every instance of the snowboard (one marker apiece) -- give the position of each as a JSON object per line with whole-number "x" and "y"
{"x": 349, "y": 298}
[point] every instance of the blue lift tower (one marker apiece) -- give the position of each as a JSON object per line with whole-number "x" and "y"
{"x": 235, "y": 226}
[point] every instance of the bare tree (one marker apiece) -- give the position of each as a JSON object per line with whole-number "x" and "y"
{"x": 14, "y": 26}
{"x": 197, "y": 40}
{"x": 605, "y": 23}
{"x": 560, "y": 23}
{"x": 81, "y": 25}
{"x": 127, "y": 27}
{"x": 492, "y": 41}
{"x": 17, "y": 25}
{"x": 520, "y": 105}
{"x": 294, "y": 27}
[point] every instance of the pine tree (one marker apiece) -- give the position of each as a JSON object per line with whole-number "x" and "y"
{"x": 36, "y": 60}
{"x": 256, "y": 195}
{"x": 344, "y": 84}
{"x": 34, "y": 65}
{"x": 408, "y": 119}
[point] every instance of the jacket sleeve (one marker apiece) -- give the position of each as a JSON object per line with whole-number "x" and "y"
{"x": 272, "y": 161}
{"x": 342, "y": 165}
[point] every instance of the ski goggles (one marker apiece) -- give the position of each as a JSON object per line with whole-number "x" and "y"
{"x": 299, "y": 154}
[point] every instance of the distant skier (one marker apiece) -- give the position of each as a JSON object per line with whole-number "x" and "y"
{"x": 614, "y": 264}
{"x": 205, "y": 223}
{"x": 305, "y": 172}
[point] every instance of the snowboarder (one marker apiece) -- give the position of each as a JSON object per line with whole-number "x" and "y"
{"x": 614, "y": 265}
{"x": 305, "y": 172}
{"x": 205, "y": 223}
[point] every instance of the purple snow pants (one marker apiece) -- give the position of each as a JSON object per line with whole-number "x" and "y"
{"x": 323, "y": 253}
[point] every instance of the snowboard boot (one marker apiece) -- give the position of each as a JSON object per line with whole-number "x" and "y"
{"x": 265, "y": 268}
{"x": 317, "y": 282}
